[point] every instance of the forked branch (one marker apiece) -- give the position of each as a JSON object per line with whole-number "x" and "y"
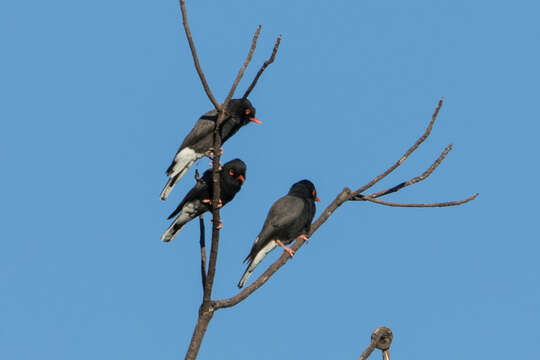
{"x": 347, "y": 195}
{"x": 206, "y": 310}
{"x": 266, "y": 63}
{"x": 208, "y": 306}
{"x": 407, "y": 153}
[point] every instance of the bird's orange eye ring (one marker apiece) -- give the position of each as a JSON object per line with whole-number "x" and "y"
{"x": 314, "y": 193}
{"x": 231, "y": 172}
{"x": 247, "y": 111}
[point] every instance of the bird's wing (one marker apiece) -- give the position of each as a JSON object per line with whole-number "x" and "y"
{"x": 203, "y": 127}
{"x": 200, "y": 191}
{"x": 285, "y": 212}
{"x": 282, "y": 215}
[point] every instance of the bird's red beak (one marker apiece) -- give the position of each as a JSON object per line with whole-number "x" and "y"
{"x": 255, "y": 120}
{"x": 242, "y": 179}
{"x": 317, "y": 199}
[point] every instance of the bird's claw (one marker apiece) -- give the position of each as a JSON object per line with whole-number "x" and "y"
{"x": 303, "y": 237}
{"x": 208, "y": 201}
{"x": 289, "y": 251}
{"x": 211, "y": 152}
{"x": 220, "y": 225}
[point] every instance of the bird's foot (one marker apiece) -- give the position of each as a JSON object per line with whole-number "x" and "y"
{"x": 286, "y": 249}
{"x": 212, "y": 165}
{"x": 303, "y": 237}
{"x": 211, "y": 152}
{"x": 289, "y": 251}
{"x": 208, "y": 201}
{"x": 219, "y": 225}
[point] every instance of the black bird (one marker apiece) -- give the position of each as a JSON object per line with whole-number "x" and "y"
{"x": 198, "y": 200}
{"x": 198, "y": 143}
{"x": 289, "y": 218}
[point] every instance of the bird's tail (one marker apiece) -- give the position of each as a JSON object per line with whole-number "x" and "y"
{"x": 176, "y": 226}
{"x": 180, "y": 165}
{"x": 253, "y": 262}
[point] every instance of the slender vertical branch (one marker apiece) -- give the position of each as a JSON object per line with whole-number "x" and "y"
{"x": 215, "y": 174}
{"x": 203, "y": 251}
{"x": 207, "y": 309}
{"x": 195, "y": 57}
{"x": 244, "y": 66}
{"x": 266, "y": 63}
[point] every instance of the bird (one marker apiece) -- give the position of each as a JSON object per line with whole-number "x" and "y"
{"x": 289, "y": 218}
{"x": 200, "y": 140}
{"x": 198, "y": 199}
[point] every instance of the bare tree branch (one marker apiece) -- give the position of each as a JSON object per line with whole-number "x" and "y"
{"x": 266, "y": 63}
{"x": 342, "y": 197}
{"x": 424, "y": 175}
{"x": 195, "y": 57}
{"x": 407, "y": 153}
{"x": 381, "y": 339}
{"x": 441, "y": 204}
{"x": 203, "y": 251}
{"x": 206, "y": 309}
{"x": 365, "y": 354}
{"x": 244, "y": 66}
{"x": 215, "y": 174}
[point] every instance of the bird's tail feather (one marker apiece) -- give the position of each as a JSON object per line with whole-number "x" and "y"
{"x": 255, "y": 261}
{"x": 176, "y": 226}
{"x": 181, "y": 164}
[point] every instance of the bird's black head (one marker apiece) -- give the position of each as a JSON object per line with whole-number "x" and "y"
{"x": 304, "y": 189}
{"x": 234, "y": 172}
{"x": 243, "y": 110}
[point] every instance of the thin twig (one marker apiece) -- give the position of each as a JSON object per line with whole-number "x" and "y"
{"x": 441, "y": 204}
{"x": 195, "y": 57}
{"x": 243, "y": 68}
{"x": 406, "y": 155}
{"x": 400, "y": 186}
{"x": 203, "y": 251}
{"x": 365, "y": 354}
{"x": 266, "y": 63}
{"x": 381, "y": 338}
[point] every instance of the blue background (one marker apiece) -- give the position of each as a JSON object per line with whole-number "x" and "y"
{"x": 97, "y": 96}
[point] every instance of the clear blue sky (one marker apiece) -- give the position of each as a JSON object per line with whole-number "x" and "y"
{"x": 97, "y": 96}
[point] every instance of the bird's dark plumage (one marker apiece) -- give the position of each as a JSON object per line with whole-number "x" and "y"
{"x": 232, "y": 176}
{"x": 198, "y": 143}
{"x": 289, "y": 218}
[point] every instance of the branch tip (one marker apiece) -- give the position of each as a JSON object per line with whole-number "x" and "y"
{"x": 264, "y": 65}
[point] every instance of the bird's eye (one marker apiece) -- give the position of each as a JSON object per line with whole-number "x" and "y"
{"x": 314, "y": 193}
{"x": 247, "y": 111}
{"x": 231, "y": 172}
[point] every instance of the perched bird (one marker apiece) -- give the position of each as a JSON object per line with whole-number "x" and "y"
{"x": 198, "y": 199}
{"x": 198, "y": 143}
{"x": 289, "y": 218}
